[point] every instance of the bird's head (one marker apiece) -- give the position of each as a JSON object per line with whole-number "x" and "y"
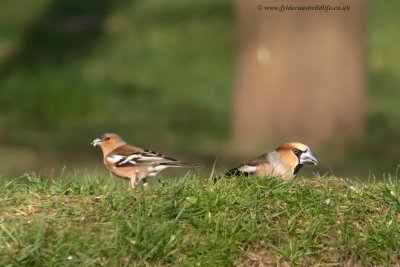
{"x": 108, "y": 141}
{"x": 296, "y": 155}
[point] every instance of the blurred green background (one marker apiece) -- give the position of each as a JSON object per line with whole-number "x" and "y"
{"x": 159, "y": 73}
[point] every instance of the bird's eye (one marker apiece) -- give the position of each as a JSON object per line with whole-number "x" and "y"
{"x": 296, "y": 151}
{"x": 107, "y": 138}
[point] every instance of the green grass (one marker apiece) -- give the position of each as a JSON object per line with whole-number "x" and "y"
{"x": 86, "y": 221}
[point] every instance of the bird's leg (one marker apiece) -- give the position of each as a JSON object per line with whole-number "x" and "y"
{"x": 133, "y": 182}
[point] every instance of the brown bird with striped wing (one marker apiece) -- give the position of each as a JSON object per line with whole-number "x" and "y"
{"x": 132, "y": 162}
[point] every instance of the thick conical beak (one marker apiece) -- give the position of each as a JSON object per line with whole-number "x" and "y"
{"x": 96, "y": 142}
{"x": 308, "y": 158}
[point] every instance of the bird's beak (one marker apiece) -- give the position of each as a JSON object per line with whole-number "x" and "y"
{"x": 308, "y": 158}
{"x": 96, "y": 142}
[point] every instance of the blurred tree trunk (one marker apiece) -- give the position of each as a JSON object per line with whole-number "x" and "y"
{"x": 299, "y": 74}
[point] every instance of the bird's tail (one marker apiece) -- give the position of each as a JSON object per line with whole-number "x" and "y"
{"x": 230, "y": 173}
{"x": 178, "y": 164}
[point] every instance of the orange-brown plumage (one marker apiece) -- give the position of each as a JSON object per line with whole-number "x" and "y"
{"x": 132, "y": 162}
{"x": 284, "y": 162}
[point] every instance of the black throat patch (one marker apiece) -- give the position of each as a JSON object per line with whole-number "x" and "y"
{"x": 297, "y": 169}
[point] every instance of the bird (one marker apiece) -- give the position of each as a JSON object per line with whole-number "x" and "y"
{"x": 131, "y": 162}
{"x": 284, "y": 162}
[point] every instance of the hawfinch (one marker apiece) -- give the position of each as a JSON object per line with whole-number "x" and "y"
{"x": 284, "y": 162}
{"x": 130, "y": 162}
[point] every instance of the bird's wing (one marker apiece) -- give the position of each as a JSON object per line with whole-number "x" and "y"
{"x": 248, "y": 168}
{"x": 128, "y": 156}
